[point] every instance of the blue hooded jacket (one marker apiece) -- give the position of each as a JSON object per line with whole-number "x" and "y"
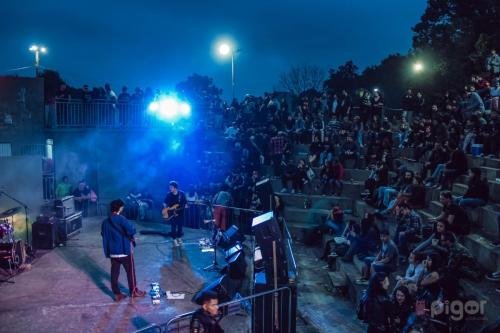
{"x": 116, "y": 239}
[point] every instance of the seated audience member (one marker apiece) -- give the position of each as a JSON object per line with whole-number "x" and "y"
{"x": 426, "y": 246}
{"x": 331, "y": 176}
{"x": 385, "y": 193}
{"x": 315, "y": 150}
{"x": 412, "y": 274}
{"x": 338, "y": 176}
{"x": 378, "y": 311}
{"x": 453, "y": 215}
{"x": 461, "y": 263}
{"x": 402, "y": 307}
{"x": 456, "y": 167}
{"x": 82, "y": 197}
{"x": 408, "y": 229}
{"x": 379, "y": 177}
{"x": 428, "y": 287}
{"x": 477, "y": 191}
{"x": 326, "y": 177}
{"x": 439, "y": 155}
{"x": 385, "y": 261}
{"x": 63, "y": 188}
{"x": 363, "y": 239}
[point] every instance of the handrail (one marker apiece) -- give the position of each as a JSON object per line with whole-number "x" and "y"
{"x": 241, "y": 300}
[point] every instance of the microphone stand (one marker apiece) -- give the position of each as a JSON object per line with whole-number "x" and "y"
{"x": 25, "y": 214}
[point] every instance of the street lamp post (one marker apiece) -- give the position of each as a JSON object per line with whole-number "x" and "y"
{"x": 224, "y": 50}
{"x": 37, "y": 50}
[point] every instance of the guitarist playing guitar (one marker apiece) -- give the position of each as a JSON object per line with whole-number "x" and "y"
{"x": 173, "y": 210}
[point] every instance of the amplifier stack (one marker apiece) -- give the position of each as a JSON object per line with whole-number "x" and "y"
{"x": 50, "y": 230}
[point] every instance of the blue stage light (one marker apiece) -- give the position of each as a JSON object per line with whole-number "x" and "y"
{"x": 185, "y": 109}
{"x": 153, "y": 107}
{"x": 170, "y": 109}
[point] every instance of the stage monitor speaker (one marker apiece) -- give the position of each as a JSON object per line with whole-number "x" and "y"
{"x": 236, "y": 266}
{"x": 44, "y": 235}
{"x": 265, "y": 193}
{"x": 230, "y": 237}
{"x": 232, "y": 251}
{"x": 224, "y": 287}
{"x": 266, "y": 231}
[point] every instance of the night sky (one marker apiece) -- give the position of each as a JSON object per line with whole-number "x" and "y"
{"x": 159, "y": 43}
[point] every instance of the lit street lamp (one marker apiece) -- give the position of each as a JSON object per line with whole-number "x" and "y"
{"x": 418, "y": 67}
{"x": 225, "y": 50}
{"x": 37, "y": 50}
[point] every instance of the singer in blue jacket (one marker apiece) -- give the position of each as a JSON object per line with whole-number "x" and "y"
{"x": 117, "y": 237}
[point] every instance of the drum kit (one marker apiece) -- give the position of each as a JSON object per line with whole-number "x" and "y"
{"x": 12, "y": 251}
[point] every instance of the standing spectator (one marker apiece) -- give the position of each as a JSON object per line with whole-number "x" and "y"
{"x": 408, "y": 101}
{"x": 277, "y": 149}
{"x": 221, "y": 213}
{"x": 477, "y": 192}
{"x": 124, "y": 96}
{"x": 82, "y": 197}
{"x": 349, "y": 152}
{"x": 377, "y": 103}
{"x": 63, "y": 188}
{"x": 493, "y": 63}
{"x": 344, "y": 107}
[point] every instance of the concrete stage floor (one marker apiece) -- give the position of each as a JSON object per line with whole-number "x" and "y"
{"x": 68, "y": 289}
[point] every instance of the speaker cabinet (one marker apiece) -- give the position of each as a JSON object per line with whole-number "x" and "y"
{"x": 44, "y": 235}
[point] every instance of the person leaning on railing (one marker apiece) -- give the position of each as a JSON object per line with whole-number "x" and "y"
{"x": 206, "y": 319}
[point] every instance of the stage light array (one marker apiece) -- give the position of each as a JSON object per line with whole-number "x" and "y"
{"x": 170, "y": 109}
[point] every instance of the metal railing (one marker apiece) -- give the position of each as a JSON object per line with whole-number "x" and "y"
{"x": 97, "y": 113}
{"x": 268, "y": 311}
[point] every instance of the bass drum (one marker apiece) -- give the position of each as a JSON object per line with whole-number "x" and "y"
{"x": 13, "y": 254}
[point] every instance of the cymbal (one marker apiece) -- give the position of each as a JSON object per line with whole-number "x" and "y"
{"x": 10, "y": 212}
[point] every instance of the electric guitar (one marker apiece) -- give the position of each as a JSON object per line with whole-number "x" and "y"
{"x": 169, "y": 212}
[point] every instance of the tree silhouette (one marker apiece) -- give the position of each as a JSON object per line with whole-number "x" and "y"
{"x": 299, "y": 79}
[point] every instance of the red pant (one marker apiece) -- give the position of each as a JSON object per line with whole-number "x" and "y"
{"x": 221, "y": 217}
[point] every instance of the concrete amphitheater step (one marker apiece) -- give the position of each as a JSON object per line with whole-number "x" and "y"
{"x": 311, "y": 217}
{"x": 482, "y": 249}
{"x": 490, "y": 173}
{"x": 316, "y": 201}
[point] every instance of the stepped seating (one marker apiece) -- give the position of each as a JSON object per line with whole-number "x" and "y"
{"x": 486, "y": 221}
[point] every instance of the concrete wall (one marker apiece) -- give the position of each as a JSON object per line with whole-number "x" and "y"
{"x": 21, "y": 178}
